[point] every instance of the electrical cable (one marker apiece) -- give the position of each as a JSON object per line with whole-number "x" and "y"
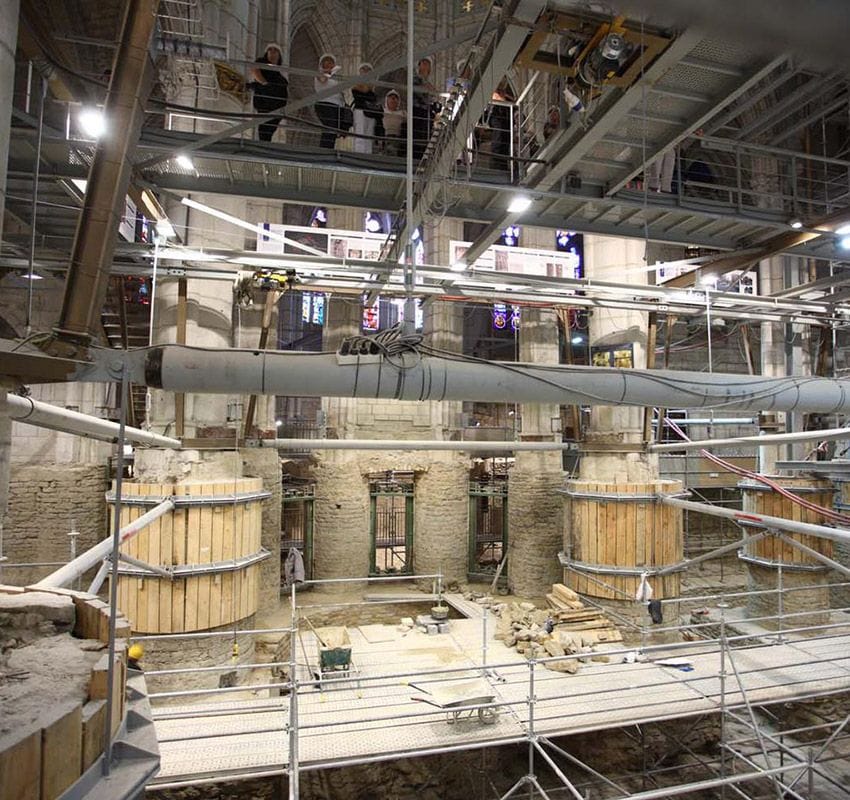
{"x": 776, "y": 487}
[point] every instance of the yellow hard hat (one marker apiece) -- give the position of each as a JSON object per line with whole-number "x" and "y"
{"x": 135, "y": 652}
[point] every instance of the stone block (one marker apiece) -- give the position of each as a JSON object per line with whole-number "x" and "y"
{"x": 32, "y": 608}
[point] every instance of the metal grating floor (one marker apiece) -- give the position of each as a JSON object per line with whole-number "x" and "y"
{"x": 370, "y": 718}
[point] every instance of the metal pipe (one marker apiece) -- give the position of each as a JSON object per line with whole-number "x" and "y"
{"x": 760, "y": 520}
{"x": 830, "y": 434}
{"x": 44, "y": 415}
{"x": 114, "y": 545}
{"x": 410, "y": 444}
{"x": 420, "y": 377}
{"x": 34, "y": 207}
{"x": 74, "y": 569}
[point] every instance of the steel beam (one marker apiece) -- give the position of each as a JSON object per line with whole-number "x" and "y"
{"x": 698, "y": 121}
{"x": 109, "y": 178}
{"x": 578, "y": 145}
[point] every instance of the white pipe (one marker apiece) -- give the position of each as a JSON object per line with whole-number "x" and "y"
{"x": 178, "y": 368}
{"x": 410, "y": 444}
{"x": 82, "y": 563}
{"x": 829, "y": 434}
{"x": 44, "y": 415}
{"x": 759, "y": 520}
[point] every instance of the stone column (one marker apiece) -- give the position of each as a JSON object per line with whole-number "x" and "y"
{"x": 535, "y": 509}
{"x": 613, "y": 449}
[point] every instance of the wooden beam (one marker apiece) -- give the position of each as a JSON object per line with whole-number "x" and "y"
{"x": 268, "y": 311}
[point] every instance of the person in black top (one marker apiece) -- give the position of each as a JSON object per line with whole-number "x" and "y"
{"x": 424, "y": 106}
{"x": 368, "y": 115}
{"x": 271, "y": 90}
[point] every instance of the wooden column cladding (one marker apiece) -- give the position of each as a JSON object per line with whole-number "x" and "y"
{"x": 761, "y": 499}
{"x": 615, "y": 531}
{"x": 209, "y": 537}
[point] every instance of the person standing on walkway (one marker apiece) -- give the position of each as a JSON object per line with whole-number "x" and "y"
{"x": 271, "y": 89}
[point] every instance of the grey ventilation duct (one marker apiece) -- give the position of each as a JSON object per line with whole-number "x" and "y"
{"x": 419, "y": 377}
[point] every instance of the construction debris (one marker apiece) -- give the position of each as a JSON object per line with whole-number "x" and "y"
{"x": 567, "y": 630}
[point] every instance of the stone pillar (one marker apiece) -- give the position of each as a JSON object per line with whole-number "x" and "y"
{"x": 8, "y": 42}
{"x": 5, "y": 458}
{"x": 535, "y": 509}
{"x": 613, "y": 449}
{"x": 772, "y": 357}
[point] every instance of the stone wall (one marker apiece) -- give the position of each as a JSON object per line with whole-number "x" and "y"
{"x": 840, "y": 595}
{"x": 341, "y": 542}
{"x": 535, "y": 523}
{"x": 45, "y": 502}
{"x": 815, "y": 599}
{"x": 197, "y": 651}
{"x": 265, "y": 464}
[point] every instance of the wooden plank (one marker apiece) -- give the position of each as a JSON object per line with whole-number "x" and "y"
{"x": 61, "y": 749}
{"x": 227, "y": 604}
{"x": 204, "y": 582}
{"x": 178, "y": 606}
{"x": 93, "y": 732}
{"x": 166, "y": 587}
{"x": 20, "y": 766}
{"x": 193, "y": 556}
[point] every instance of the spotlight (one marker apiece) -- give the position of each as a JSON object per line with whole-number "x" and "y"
{"x": 32, "y": 276}
{"x": 184, "y": 162}
{"x": 844, "y": 230}
{"x": 577, "y": 339}
{"x": 278, "y": 423}
{"x": 845, "y": 243}
{"x": 519, "y": 204}
{"x": 92, "y": 122}
{"x": 796, "y": 224}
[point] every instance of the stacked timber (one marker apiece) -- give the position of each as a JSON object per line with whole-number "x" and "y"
{"x": 576, "y": 630}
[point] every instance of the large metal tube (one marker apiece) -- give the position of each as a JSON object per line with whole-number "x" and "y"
{"x": 44, "y": 415}
{"x": 410, "y": 444}
{"x": 82, "y": 563}
{"x": 830, "y": 434}
{"x": 91, "y": 259}
{"x": 759, "y": 520}
{"x": 413, "y": 377}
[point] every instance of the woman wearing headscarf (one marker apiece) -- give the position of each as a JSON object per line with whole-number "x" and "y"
{"x": 331, "y": 109}
{"x": 395, "y": 124}
{"x": 367, "y": 113}
{"x": 271, "y": 89}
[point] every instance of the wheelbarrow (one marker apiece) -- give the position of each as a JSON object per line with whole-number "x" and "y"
{"x": 466, "y": 700}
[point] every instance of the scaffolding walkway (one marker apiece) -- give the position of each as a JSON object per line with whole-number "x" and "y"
{"x": 346, "y": 724}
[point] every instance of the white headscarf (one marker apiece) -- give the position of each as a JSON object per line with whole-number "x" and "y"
{"x": 336, "y": 99}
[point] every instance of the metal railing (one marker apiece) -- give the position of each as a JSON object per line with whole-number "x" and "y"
{"x": 534, "y": 704}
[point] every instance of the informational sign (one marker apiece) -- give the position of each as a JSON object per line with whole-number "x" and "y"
{"x": 522, "y": 260}
{"x": 127, "y": 226}
{"x": 505, "y": 317}
{"x": 736, "y": 281}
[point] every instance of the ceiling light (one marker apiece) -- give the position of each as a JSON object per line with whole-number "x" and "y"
{"x": 32, "y": 276}
{"x": 184, "y": 162}
{"x": 519, "y": 204}
{"x": 278, "y": 423}
{"x": 92, "y": 122}
{"x": 845, "y": 243}
{"x": 577, "y": 339}
{"x": 844, "y": 230}
{"x": 796, "y": 224}
{"x": 458, "y": 266}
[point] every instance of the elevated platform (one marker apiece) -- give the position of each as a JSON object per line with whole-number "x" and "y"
{"x": 363, "y": 720}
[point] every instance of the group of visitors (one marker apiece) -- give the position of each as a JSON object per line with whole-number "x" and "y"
{"x": 377, "y": 125}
